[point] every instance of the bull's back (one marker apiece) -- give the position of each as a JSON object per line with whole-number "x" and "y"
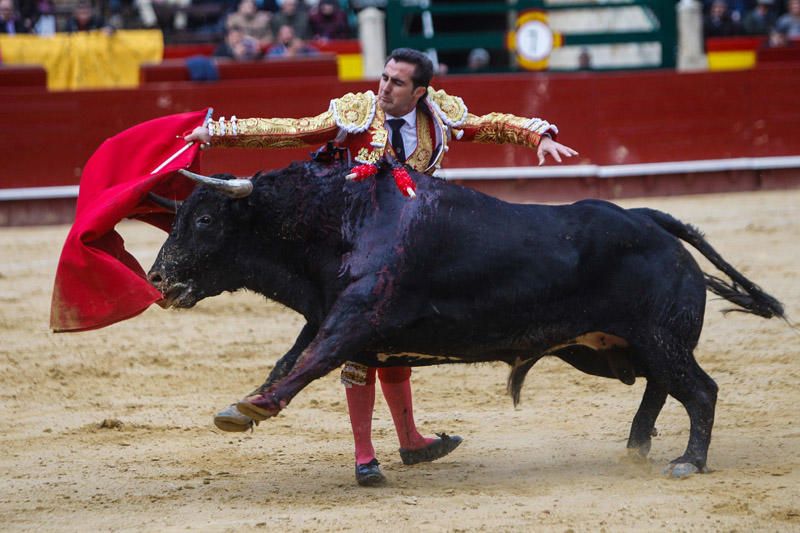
{"x": 499, "y": 266}
{"x": 477, "y": 238}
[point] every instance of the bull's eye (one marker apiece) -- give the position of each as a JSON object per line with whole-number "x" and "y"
{"x": 203, "y": 220}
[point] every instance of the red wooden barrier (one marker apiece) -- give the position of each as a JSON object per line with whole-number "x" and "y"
{"x": 788, "y": 54}
{"x": 726, "y": 44}
{"x": 23, "y": 76}
{"x": 611, "y": 118}
{"x": 177, "y": 51}
{"x": 173, "y": 70}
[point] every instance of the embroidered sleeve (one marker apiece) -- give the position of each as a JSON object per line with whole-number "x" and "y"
{"x": 503, "y": 128}
{"x": 273, "y": 132}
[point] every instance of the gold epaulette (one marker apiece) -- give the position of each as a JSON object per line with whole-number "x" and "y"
{"x": 354, "y": 112}
{"x": 451, "y": 109}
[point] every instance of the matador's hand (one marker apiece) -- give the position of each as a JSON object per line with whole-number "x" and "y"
{"x": 199, "y": 134}
{"x": 556, "y": 150}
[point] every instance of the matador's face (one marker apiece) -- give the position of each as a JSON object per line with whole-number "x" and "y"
{"x": 396, "y": 93}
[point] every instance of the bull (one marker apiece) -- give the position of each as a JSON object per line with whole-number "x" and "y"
{"x": 456, "y": 276}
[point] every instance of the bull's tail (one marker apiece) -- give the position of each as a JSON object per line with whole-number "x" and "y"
{"x": 748, "y": 296}
{"x": 517, "y": 377}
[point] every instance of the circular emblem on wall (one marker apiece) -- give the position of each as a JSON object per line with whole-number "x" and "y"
{"x": 533, "y": 40}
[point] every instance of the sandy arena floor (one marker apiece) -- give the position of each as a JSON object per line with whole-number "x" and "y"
{"x": 554, "y": 464}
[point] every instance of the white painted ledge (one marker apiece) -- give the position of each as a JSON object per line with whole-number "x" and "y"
{"x": 549, "y": 171}
{"x": 620, "y": 171}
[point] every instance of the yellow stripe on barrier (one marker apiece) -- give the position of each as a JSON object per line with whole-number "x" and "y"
{"x": 351, "y": 67}
{"x": 732, "y": 60}
{"x": 86, "y": 60}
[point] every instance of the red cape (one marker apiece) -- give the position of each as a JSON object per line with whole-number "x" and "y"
{"x": 97, "y": 281}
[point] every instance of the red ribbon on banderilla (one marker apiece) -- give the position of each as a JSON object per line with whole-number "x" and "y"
{"x": 402, "y": 179}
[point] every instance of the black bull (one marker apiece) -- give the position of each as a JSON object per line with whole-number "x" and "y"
{"x": 455, "y": 276}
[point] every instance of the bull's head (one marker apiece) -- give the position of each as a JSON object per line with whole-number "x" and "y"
{"x": 198, "y": 257}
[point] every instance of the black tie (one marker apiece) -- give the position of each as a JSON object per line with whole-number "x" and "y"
{"x": 397, "y": 138}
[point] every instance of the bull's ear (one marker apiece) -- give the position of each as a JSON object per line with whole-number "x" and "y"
{"x": 235, "y": 188}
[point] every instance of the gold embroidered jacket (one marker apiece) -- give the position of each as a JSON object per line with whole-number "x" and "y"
{"x": 356, "y": 122}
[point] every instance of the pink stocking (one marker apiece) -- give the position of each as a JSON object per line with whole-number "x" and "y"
{"x": 360, "y": 403}
{"x": 396, "y": 386}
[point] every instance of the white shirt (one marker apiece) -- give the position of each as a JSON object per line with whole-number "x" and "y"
{"x": 407, "y": 130}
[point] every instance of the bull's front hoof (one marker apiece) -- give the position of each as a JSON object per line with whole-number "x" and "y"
{"x": 682, "y": 470}
{"x": 258, "y": 407}
{"x": 230, "y": 419}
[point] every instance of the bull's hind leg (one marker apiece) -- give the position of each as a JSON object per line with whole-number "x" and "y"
{"x": 645, "y": 420}
{"x": 693, "y": 388}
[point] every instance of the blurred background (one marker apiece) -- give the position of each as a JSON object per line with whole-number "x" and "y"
{"x": 659, "y": 97}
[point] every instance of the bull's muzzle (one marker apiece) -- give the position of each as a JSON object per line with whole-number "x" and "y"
{"x": 235, "y": 188}
{"x": 174, "y": 294}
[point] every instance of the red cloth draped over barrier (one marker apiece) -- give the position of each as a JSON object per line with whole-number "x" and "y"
{"x": 97, "y": 281}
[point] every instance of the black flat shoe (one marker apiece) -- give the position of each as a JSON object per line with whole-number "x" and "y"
{"x": 435, "y": 450}
{"x": 370, "y": 475}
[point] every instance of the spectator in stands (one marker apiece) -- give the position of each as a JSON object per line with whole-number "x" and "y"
{"x": 125, "y": 14}
{"x": 478, "y": 60}
{"x": 238, "y": 46}
{"x": 718, "y": 22}
{"x": 27, "y": 11}
{"x": 10, "y": 22}
{"x": 789, "y": 23}
{"x": 777, "y": 39}
{"x": 252, "y": 22}
{"x": 328, "y": 21}
{"x": 44, "y": 23}
{"x": 760, "y": 19}
{"x": 293, "y": 15}
{"x": 85, "y": 19}
{"x": 585, "y": 60}
{"x": 736, "y": 8}
{"x": 289, "y": 45}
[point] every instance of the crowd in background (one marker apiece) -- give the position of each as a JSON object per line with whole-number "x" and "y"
{"x": 251, "y": 29}
{"x": 284, "y": 25}
{"x": 778, "y": 20}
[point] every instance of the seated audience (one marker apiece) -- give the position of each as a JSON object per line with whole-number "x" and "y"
{"x": 252, "y": 22}
{"x": 44, "y": 22}
{"x": 789, "y": 23}
{"x": 10, "y": 22}
{"x": 85, "y": 19}
{"x": 289, "y": 45}
{"x": 736, "y": 8}
{"x": 328, "y": 21}
{"x": 478, "y": 60}
{"x": 238, "y": 46}
{"x": 760, "y": 19}
{"x": 718, "y": 22}
{"x": 777, "y": 39}
{"x": 294, "y": 15}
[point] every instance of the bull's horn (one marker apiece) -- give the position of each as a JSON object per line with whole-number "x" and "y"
{"x": 235, "y": 188}
{"x": 170, "y": 205}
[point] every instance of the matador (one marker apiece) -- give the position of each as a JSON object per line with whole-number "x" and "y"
{"x": 414, "y": 124}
